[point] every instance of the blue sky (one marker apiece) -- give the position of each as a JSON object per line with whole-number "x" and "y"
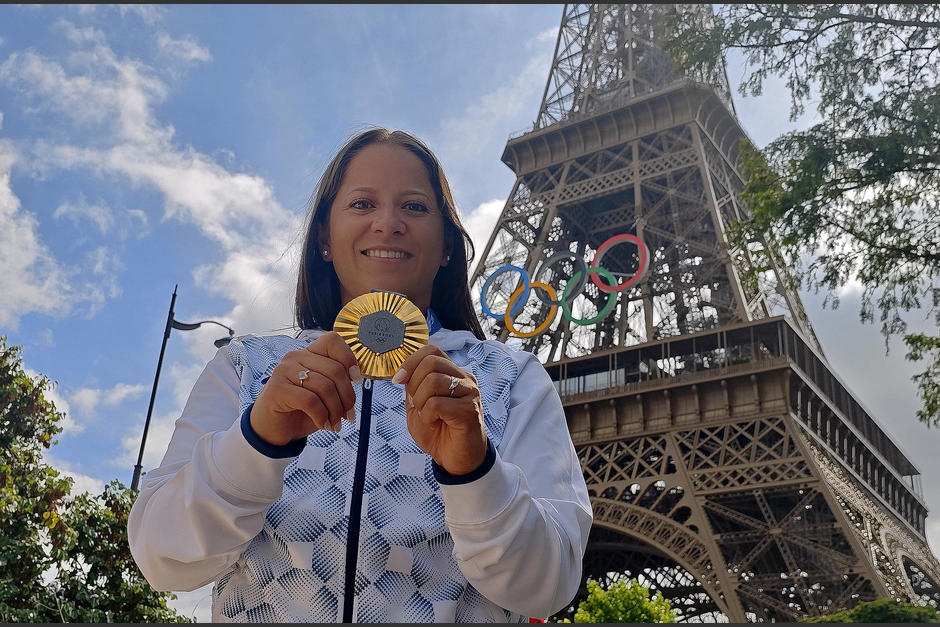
{"x": 141, "y": 147}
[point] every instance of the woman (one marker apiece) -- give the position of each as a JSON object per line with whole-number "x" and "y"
{"x": 473, "y": 507}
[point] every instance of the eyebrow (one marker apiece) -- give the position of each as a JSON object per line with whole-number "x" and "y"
{"x": 372, "y": 190}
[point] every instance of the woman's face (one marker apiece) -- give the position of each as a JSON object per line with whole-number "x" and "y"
{"x": 385, "y": 229}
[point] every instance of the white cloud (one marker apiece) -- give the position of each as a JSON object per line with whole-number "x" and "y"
{"x": 46, "y": 338}
{"x": 139, "y": 220}
{"x": 238, "y": 211}
{"x": 186, "y": 49}
{"x": 480, "y": 224}
{"x": 105, "y": 264}
{"x": 99, "y": 214}
{"x": 549, "y": 34}
{"x": 256, "y": 239}
{"x": 158, "y": 438}
{"x": 149, "y": 13}
{"x": 101, "y": 265}
{"x": 116, "y": 93}
{"x": 81, "y": 482}
{"x": 30, "y": 277}
{"x": 469, "y": 138}
{"x": 76, "y": 35}
{"x": 177, "y": 382}
{"x": 108, "y": 221}
{"x": 467, "y": 133}
{"x": 102, "y": 261}
{"x": 180, "y": 377}
{"x": 121, "y": 392}
{"x": 87, "y": 399}
{"x": 851, "y": 288}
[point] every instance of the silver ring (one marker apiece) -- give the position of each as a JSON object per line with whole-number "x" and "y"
{"x": 303, "y": 374}
{"x": 454, "y": 382}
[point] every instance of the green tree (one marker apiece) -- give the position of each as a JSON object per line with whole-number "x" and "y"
{"x": 31, "y": 493}
{"x": 856, "y": 195}
{"x": 881, "y": 611}
{"x": 62, "y": 557}
{"x": 623, "y": 602}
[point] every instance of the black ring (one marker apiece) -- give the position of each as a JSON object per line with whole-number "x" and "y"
{"x": 579, "y": 265}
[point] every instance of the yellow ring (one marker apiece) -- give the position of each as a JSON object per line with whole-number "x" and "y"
{"x": 551, "y": 312}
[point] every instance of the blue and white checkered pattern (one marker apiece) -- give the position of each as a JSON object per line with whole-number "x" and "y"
{"x": 294, "y": 569}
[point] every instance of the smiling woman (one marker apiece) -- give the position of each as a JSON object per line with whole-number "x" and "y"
{"x": 455, "y": 497}
{"x": 390, "y": 180}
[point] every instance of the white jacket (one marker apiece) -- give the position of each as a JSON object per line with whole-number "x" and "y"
{"x": 270, "y": 532}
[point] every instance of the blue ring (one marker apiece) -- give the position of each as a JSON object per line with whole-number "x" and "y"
{"x": 522, "y": 298}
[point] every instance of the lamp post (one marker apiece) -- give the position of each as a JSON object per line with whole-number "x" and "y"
{"x": 182, "y": 326}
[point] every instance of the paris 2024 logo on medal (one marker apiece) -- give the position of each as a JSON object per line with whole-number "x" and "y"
{"x": 382, "y": 329}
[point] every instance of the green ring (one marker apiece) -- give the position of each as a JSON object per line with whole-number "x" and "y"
{"x": 611, "y": 298}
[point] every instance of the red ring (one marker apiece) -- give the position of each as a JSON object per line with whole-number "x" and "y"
{"x": 641, "y": 270}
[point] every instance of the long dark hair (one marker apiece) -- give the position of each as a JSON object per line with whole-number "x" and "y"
{"x": 318, "y": 292}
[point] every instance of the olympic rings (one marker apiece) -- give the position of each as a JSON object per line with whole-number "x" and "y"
{"x": 607, "y": 274}
{"x": 486, "y": 284}
{"x": 548, "y": 263}
{"x": 551, "y": 312}
{"x": 640, "y": 272}
{"x": 573, "y": 286}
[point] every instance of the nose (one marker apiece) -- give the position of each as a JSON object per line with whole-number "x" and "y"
{"x": 386, "y": 219}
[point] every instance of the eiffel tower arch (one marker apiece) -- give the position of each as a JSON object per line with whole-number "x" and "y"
{"x": 728, "y": 465}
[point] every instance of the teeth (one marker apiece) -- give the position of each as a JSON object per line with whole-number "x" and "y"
{"x": 387, "y": 254}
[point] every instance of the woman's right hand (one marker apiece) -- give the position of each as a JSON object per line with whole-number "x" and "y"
{"x": 289, "y": 408}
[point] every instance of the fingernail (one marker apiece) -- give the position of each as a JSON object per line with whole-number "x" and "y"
{"x": 351, "y": 414}
{"x": 355, "y": 375}
{"x": 399, "y": 376}
{"x": 411, "y": 402}
{"x": 337, "y": 425}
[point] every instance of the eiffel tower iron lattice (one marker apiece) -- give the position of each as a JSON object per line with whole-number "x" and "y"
{"x": 728, "y": 466}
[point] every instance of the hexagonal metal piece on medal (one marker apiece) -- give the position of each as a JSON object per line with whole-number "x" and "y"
{"x": 382, "y": 329}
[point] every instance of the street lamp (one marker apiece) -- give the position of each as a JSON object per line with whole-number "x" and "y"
{"x": 182, "y": 326}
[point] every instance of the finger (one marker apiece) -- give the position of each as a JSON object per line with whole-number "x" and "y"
{"x": 437, "y": 386}
{"x": 458, "y": 413}
{"x": 325, "y": 389}
{"x": 290, "y": 397}
{"x": 333, "y": 346}
{"x": 406, "y": 371}
{"x": 332, "y": 370}
{"x": 433, "y": 364}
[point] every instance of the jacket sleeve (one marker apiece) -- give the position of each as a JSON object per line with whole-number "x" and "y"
{"x": 201, "y": 507}
{"x": 520, "y": 530}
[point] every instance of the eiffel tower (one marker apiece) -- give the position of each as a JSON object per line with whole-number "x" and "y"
{"x": 729, "y": 467}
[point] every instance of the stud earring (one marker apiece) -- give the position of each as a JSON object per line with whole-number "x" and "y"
{"x": 326, "y": 253}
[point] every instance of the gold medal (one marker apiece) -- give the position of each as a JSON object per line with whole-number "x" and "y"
{"x": 382, "y": 329}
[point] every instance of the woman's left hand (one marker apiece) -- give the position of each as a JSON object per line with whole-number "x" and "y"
{"x": 445, "y": 420}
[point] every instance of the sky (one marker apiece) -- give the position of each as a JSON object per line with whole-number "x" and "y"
{"x": 144, "y": 147}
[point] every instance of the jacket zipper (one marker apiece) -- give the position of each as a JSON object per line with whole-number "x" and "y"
{"x": 355, "y": 507}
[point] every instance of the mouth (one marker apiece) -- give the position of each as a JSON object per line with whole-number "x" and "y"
{"x": 386, "y": 253}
